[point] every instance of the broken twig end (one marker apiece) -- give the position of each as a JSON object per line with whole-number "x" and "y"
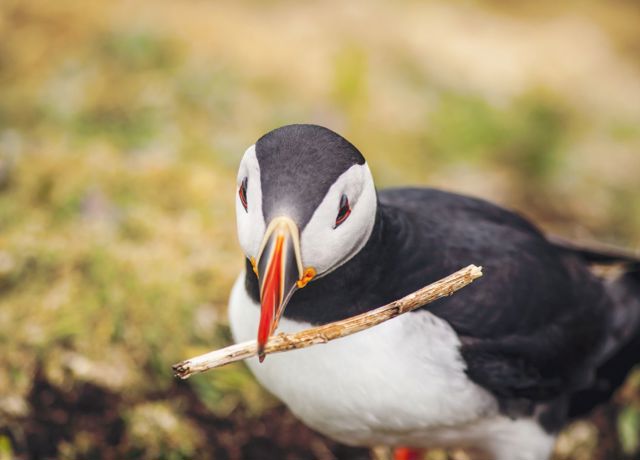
{"x": 182, "y": 370}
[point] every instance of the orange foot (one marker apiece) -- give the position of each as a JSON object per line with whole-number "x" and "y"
{"x": 407, "y": 453}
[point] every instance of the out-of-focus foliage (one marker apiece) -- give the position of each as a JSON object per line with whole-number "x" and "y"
{"x": 122, "y": 123}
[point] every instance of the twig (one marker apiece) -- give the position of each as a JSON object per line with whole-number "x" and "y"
{"x": 322, "y": 334}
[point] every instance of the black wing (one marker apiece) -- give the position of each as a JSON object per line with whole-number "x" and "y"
{"x": 532, "y": 326}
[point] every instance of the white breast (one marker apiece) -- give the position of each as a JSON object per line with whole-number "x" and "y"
{"x": 399, "y": 383}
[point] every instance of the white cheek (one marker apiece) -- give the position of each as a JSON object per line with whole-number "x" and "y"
{"x": 250, "y": 222}
{"x": 324, "y": 247}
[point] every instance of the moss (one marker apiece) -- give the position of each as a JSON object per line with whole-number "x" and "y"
{"x": 120, "y": 132}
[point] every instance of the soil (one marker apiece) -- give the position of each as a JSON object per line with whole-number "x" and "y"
{"x": 57, "y": 415}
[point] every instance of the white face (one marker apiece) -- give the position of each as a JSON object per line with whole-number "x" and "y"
{"x": 324, "y": 246}
{"x": 250, "y": 222}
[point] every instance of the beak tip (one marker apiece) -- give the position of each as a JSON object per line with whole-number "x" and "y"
{"x": 261, "y": 354}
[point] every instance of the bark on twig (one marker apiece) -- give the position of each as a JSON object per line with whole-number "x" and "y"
{"x": 331, "y": 331}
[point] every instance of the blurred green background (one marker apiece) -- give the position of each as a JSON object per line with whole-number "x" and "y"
{"x": 121, "y": 127}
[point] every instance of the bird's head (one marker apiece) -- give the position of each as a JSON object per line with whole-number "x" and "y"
{"x": 305, "y": 204}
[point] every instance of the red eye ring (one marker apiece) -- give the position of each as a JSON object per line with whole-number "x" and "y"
{"x": 344, "y": 211}
{"x": 242, "y": 193}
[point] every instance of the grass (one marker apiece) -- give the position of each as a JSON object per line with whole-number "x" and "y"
{"x": 120, "y": 132}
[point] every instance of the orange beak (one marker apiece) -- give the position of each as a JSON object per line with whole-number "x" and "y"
{"x": 280, "y": 274}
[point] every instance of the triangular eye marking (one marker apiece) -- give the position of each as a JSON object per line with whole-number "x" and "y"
{"x": 345, "y": 210}
{"x": 242, "y": 193}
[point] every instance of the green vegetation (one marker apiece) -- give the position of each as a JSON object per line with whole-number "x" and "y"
{"x": 120, "y": 130}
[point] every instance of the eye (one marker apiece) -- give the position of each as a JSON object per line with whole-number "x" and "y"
{"x": 345, "y": 210}
{"x": 242, "y": 193}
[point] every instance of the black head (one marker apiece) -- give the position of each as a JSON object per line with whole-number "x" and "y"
{"x": 306, "y": 204}
{"x": 298, "y": 164}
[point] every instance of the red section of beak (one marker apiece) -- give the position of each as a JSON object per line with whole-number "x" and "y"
{"x": 271, "y": 297}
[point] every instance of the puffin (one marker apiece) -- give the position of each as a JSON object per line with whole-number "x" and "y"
{"x": 500, "y": 367}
